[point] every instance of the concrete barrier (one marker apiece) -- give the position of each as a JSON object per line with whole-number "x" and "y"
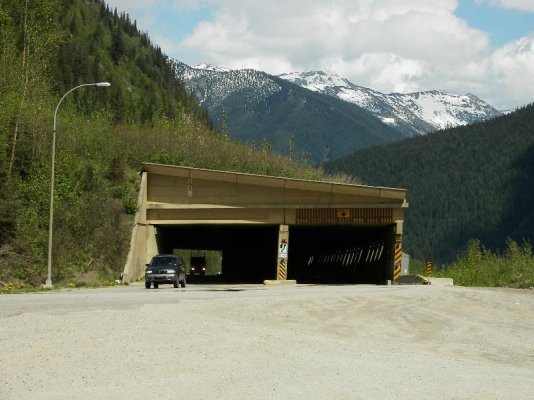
{"x": 440, "y": 281}
{"x": 412, "y": 280}
{"x": 280, "y": 282}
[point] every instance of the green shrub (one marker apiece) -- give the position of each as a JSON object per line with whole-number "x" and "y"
{"x": 480, "y": 267}
{"x": 417, "y": 267}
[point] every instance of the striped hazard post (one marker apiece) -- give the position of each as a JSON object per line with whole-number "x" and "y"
{"x": 282, "y": 269}
{"x": 283, "y": 247}
{"x": 397, "y": 262}
{"x": 428, "y": 265}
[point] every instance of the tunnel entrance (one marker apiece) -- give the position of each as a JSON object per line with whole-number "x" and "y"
{"x": 317, "y": 254}
{"x": 341, "y": 254}
{"x": 248, "y": 251}
{"x": 201, "y": 264}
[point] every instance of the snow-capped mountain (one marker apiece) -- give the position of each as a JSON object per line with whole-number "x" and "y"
{"x": 214, "y": 84}
{"x": 254, "y": 107}
{"x": 412, "y": 113}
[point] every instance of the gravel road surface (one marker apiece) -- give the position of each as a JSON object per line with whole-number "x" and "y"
{"x": 268, "y": 342}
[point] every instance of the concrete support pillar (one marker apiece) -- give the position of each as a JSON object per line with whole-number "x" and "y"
{"x": 397, "y": 255}
{"x": 135, "y": 262}
{"x": 152, "y": 248}
{"x": 283, "y": 250}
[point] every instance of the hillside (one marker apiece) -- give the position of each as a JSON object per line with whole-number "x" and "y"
{"x": 260, "y": 109}
{"x": 99, "y": 44}
{"x": 103, "y": 134}
{"x": 464, "y": 183}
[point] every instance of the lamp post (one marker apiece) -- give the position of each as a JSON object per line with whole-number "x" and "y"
{"x": 48, "y": 283}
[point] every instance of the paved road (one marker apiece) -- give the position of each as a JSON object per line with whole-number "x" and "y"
{"x": 260, "y": 342}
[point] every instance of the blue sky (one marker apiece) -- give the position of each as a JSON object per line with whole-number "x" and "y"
{"x": 503, "y": 24}
{"x": 484, "y": 47}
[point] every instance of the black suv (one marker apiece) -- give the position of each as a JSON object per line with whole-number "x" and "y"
{"x": 165, "y": 268}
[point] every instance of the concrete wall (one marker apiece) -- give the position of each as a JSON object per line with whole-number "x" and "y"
{"x": 143, "y": 245}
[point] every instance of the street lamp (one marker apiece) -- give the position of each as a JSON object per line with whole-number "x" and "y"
{"x": 48, "y": 283}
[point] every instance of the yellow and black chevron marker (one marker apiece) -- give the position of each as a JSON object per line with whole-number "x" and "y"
{"x": 428, "y": 267}
{"x": 397, "y": 262}
{"x": 282, "y": 270}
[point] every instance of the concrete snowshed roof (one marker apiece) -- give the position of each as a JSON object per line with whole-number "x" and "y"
{"x": 176, "y": 195}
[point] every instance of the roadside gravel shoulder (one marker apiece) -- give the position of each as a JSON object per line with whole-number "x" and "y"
{"x": 278, "y": 342}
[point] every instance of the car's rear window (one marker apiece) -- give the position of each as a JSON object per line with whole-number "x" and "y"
{"x": 163, "y": 260}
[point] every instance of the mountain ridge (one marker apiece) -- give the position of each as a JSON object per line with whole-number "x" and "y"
{"x": 267, "y": 111}
{"x": 412, "y": 113}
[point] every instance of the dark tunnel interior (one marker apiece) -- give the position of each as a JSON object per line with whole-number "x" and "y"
{"x": 341, "y": 254}
{"x": 317, "y": 254}
{"x": 248, "y": 251}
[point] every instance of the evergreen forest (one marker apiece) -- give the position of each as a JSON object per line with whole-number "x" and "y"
{"x": 48, "y": 47}
{"x": 468, "y": 183}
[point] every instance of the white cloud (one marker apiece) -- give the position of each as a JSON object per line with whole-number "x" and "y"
{"x": 513, "y": 70}
{"x": 387, "y": 45}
